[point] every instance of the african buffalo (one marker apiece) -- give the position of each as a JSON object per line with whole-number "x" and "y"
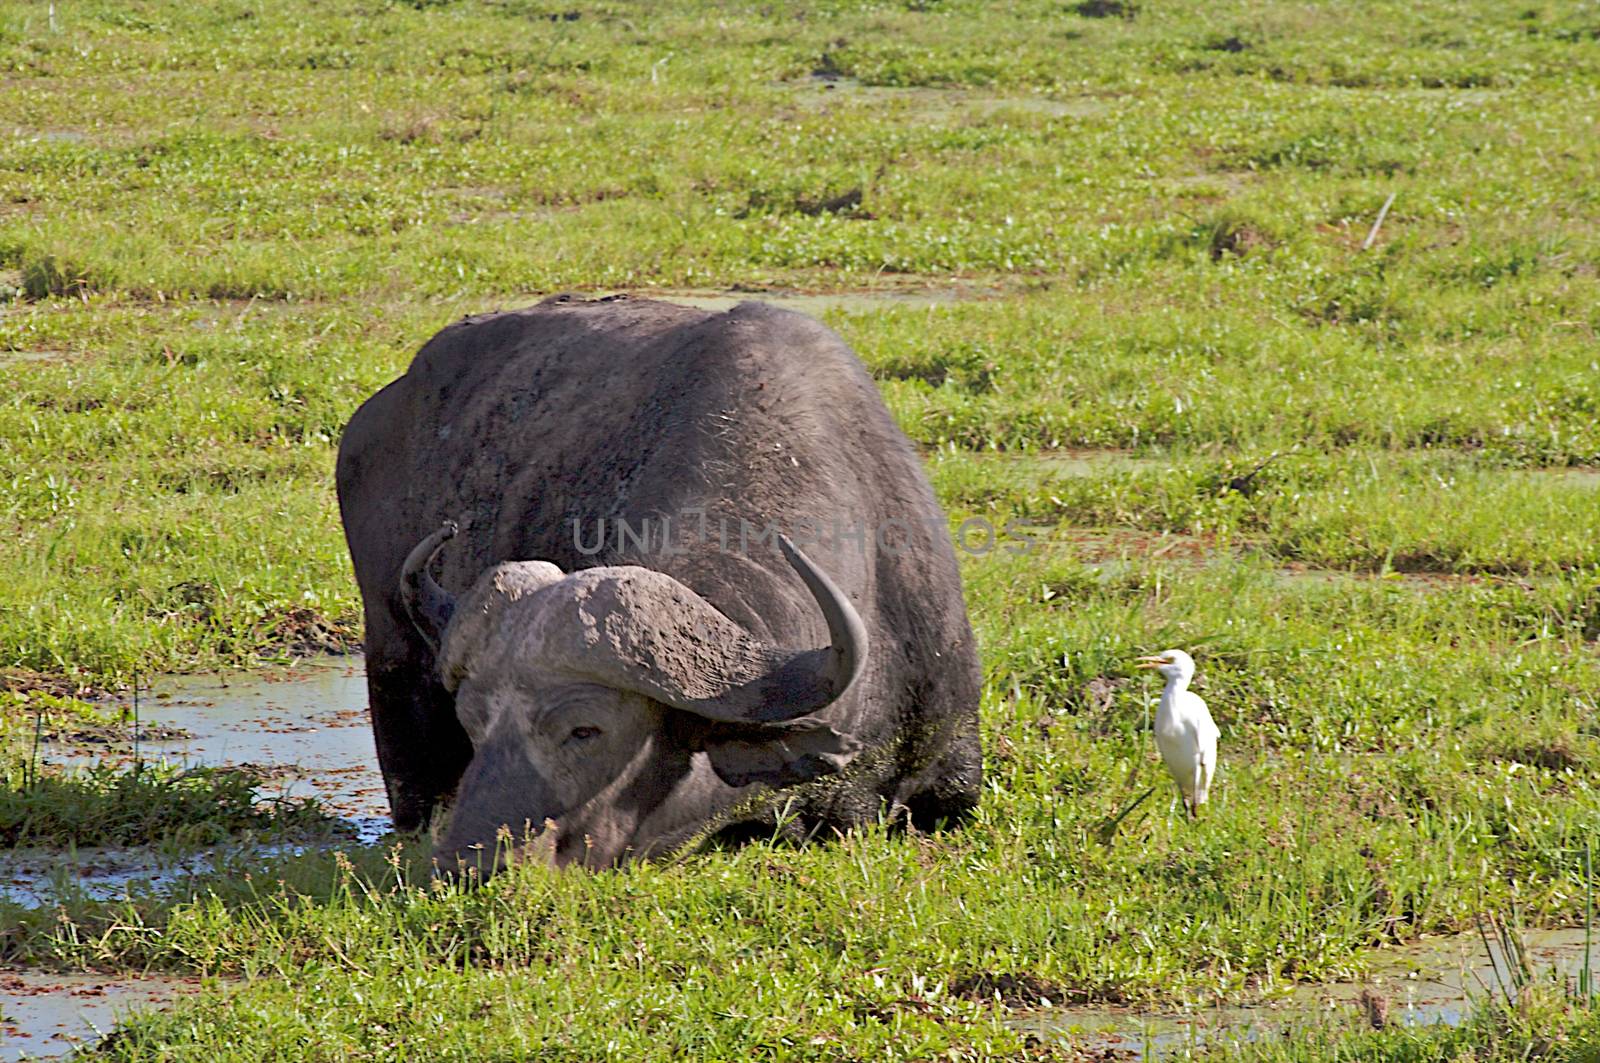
{"x": 629, "y": 655}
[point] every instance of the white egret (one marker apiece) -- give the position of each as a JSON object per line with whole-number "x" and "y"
{"x": 1185, "y": 733}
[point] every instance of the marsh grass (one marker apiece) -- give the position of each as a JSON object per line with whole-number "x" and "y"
{"x": 222, "y": 227}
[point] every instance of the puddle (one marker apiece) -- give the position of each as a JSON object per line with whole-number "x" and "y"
{"x": 46, "y": 1015}
{"x": 822, "y": 92}
{"x": 304, "y": 730}
{"x": 1437, "y": 980}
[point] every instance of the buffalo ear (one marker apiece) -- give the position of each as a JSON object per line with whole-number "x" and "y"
{"x": 779, "y": 756}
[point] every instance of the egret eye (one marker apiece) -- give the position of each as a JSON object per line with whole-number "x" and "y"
{"x": 580, "y": 734}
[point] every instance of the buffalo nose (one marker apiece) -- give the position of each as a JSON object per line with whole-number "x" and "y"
{"x": 477, "y": 861}
{"x": 467, "y": 865}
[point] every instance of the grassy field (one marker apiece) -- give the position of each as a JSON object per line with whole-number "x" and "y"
{"x": 1353, "y": 469}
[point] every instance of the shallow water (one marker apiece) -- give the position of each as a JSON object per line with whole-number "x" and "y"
{"x": 45, "y": 1015}
{"x": 1437, "y": 980}
{"x": 304, "y": 729}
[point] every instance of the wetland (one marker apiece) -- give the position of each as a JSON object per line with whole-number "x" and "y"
{"x": 1115, "y": 270}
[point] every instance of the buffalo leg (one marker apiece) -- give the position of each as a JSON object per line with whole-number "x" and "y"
{"x": 953, "y": 785}
{"x": 422, "y": 749}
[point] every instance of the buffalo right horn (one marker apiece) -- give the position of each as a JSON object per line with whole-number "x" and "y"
{"x": 637, "y": 629}
{"x": 428, "y": 605}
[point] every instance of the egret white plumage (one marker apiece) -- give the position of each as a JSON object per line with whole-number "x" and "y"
{"x": 1186, "y": 735}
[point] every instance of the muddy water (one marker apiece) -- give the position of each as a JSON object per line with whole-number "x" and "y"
{"x": 45, "y": 1015}
{"x": 1438, "y": 980}
{"x": 303, "y": 729}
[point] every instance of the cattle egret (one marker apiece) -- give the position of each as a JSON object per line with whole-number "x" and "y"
{"x": 1185, "y": 733}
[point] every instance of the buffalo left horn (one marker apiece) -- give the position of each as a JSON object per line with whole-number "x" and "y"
{"x": 428, "y": 605}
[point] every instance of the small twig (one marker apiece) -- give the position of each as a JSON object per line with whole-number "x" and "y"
{"x": 1372, "y": 235}
{"x": 1108, "y": 830}
{"x": 238, "y": 321}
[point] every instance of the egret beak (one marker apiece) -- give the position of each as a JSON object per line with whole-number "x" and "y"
{"x": 1151, "y": 662}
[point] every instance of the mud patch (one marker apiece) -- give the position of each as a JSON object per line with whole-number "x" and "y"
{"x": 816, "y": 304}
{"x": 1013, "y": 990}
{"x": 47, "y": 1015}
{"x": 827, "y": 91}
{"x": 27, "y": 681}
{"x": 19, "y": 357}
{"x": 1578, "y": 478}
{"x": 1107, "y": 546}
{"x": 1086, "y": 462}
{"x": 34, "y": 878}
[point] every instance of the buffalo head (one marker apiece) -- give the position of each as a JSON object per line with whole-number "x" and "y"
{"x": 604, "y": 704}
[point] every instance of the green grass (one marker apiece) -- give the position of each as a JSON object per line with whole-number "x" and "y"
{"x": 1357, "y": 510}
{"x": 158, "y": 805}
{"x": 222, "y": 227}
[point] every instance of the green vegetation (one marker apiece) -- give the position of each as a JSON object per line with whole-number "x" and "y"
{"x": 158, "y": 805}
{"x": 222, "y": 226}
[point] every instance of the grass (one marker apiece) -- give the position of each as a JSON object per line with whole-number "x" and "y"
{"x": 221, "y": 228}
{"x": 158, "y": 805}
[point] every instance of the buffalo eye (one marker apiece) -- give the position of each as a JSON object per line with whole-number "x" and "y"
{"x": 581, "y": 734}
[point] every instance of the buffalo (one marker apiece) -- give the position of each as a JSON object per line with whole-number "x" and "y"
{"x": 637, "y": 575}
